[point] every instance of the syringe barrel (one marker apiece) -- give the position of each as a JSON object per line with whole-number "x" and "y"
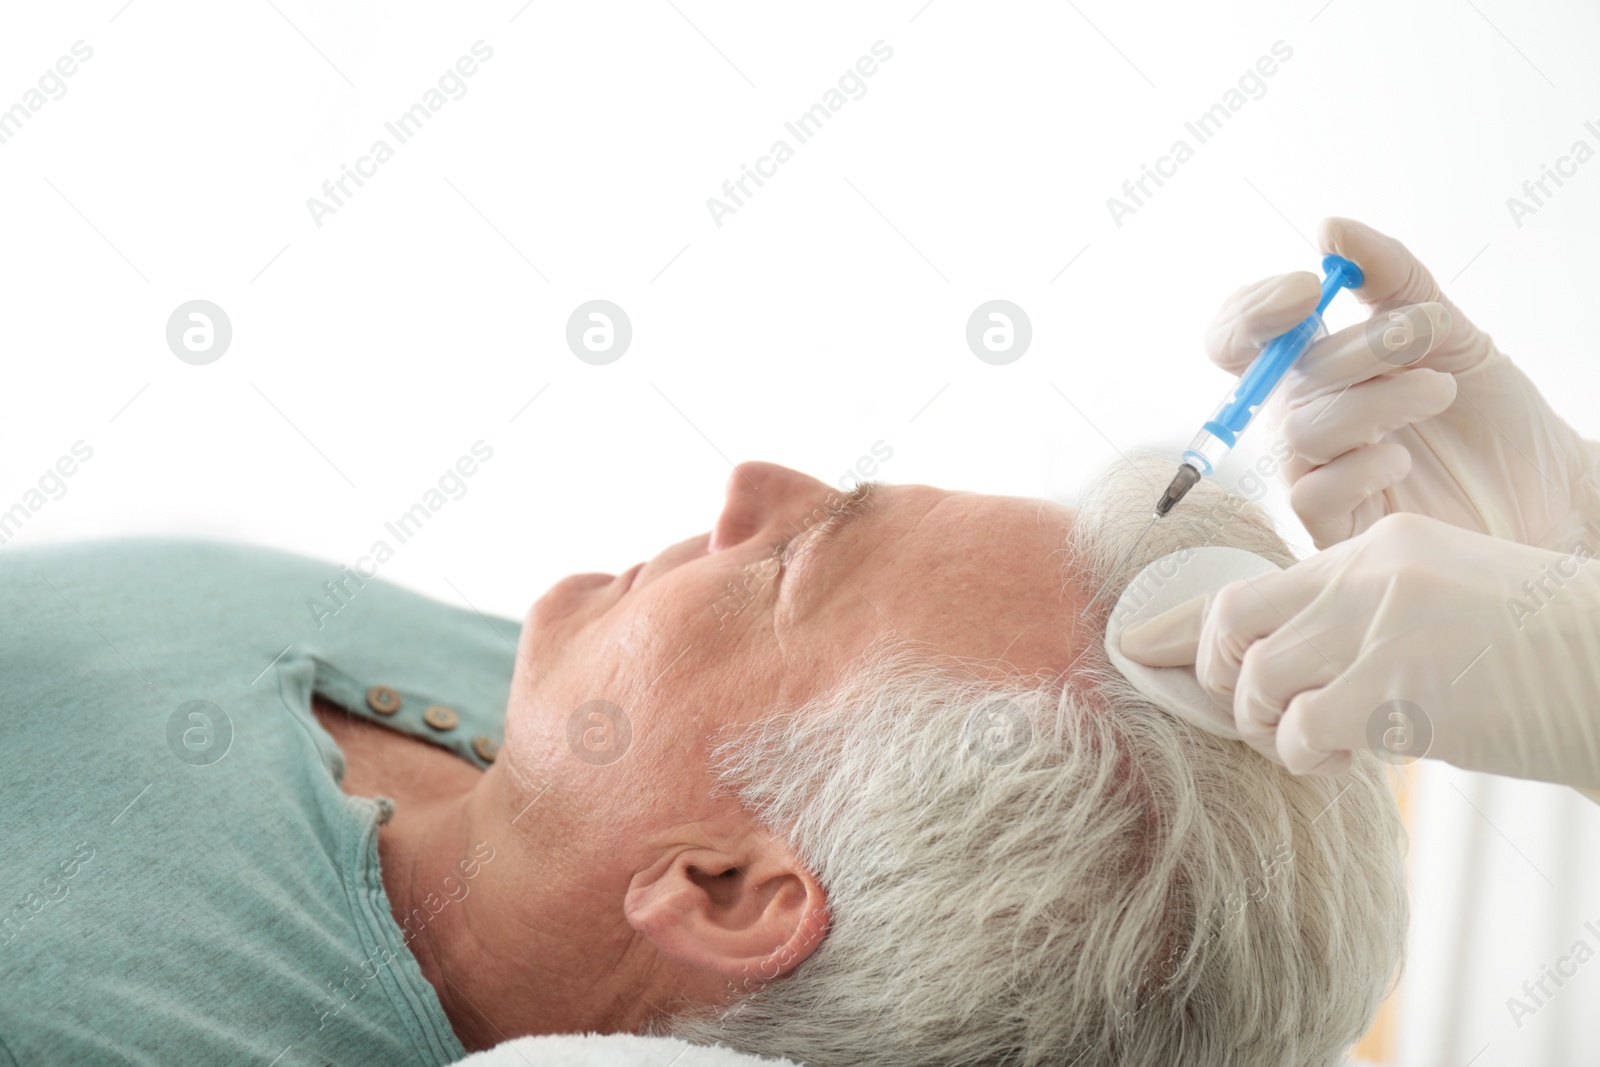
{"x": 1221, "y": 431}
{"x": 1256, "y": 384}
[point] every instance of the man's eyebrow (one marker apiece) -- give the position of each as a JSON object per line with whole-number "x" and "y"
{"x": 813, "y": 540}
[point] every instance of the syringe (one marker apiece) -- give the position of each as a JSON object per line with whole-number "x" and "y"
{"x": 1221, "y": 432}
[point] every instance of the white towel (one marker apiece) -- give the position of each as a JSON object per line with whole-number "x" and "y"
{"x": 611, "y": 1050}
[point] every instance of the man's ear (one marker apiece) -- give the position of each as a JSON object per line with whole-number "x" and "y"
{"x": 750, "y": 914}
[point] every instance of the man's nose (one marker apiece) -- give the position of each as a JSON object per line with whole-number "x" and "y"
{"x": 764, "y": 500}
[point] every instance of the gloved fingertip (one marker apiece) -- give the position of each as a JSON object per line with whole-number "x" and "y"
{"x": 1170, "y": 639}
{"x": 1398, "y": 461}
{"x": 1295, "y": 747}
{"x": 1266, "y": 312}
{"x": 1442, "y": 384}
{"x": 1391, "y": 273}
{"x": 1296, "y": 292}
{"x": 1273, "y": 305}
{"x": 1346, "y": 236}
{"x": 1331, "y": 232}
{"x": 1264, "y": 742}
{"x": 1256, "y": 725}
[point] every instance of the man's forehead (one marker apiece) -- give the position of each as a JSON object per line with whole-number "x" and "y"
{"x": 988, "y": 527}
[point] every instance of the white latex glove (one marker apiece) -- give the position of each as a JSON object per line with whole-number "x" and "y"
{"x": 1413, "y": 610}
{"x": 1413, "y": 410}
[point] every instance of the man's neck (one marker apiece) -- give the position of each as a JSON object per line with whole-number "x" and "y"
{"x": 512, "y": 942}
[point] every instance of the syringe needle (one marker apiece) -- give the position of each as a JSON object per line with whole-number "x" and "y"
{"x": 1122, "y": 562}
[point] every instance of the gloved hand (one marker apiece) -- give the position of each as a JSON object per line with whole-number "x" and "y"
{"x": 1413, "y": 410}
{"x": 1494, "y": 645}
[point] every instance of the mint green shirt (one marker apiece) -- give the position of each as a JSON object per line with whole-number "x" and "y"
{"x": 182, "y": 880}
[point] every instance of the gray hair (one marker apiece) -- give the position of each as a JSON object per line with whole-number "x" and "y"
{"x": 1054, "y": 870}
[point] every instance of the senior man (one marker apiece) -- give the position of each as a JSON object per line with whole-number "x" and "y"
{"x": 894, "y": 808}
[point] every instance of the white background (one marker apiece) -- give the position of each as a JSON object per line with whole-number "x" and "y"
{"x": 826, "y": 315}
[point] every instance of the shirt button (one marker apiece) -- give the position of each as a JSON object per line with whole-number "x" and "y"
{"x": 440, "y": 717}
{"x": 383, "y": 700}
{"x": 486, "y": 749}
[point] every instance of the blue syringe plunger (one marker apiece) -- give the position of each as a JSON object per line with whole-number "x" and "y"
{"x": 1221, "y": 431}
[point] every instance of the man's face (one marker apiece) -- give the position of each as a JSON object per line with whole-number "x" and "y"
{"x": 768, "y": 609}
